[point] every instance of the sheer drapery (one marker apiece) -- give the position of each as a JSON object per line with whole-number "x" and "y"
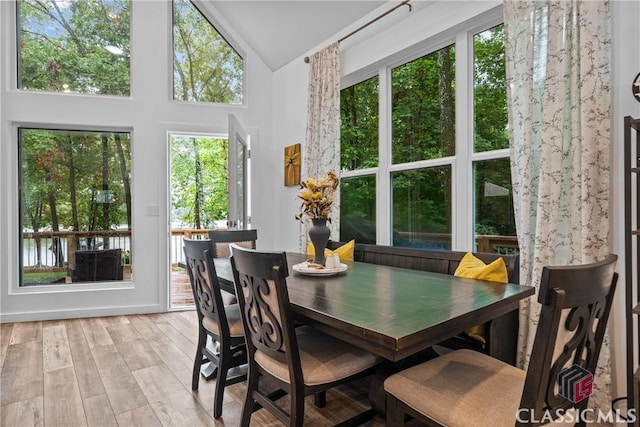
{"x": 321, "y": 152}
{"x": 558, "y": 87}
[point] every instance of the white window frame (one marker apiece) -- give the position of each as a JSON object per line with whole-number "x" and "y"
{"x": 463, "y": 209}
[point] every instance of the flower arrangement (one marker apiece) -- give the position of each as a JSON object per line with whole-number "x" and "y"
{"x": 317, "y": 197}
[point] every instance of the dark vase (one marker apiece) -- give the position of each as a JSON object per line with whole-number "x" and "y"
{"x": 319, "y": 235}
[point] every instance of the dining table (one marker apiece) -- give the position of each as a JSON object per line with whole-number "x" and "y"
{"x": 389, "y": 311}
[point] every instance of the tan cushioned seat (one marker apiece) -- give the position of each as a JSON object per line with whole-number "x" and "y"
{"x": 233, "y": 318}
{"x": 463, "y": 387}
{"x": 323, "y": 358}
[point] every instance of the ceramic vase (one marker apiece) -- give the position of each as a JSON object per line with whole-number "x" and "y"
{"x": 319, "y": 236}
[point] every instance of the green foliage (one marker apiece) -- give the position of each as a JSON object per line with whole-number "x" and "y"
{"x": 205, "y": 67}
{"x": 64, "y": 46}
{"x": 62, "y": 180}
{"x": 199, "y": 198}
{"x": 423, "y": 100}
{"x": 359, "y": 125}
{"x": 490, "y": 96}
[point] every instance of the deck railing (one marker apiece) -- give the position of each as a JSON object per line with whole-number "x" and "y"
{"x": 55, "y": 250}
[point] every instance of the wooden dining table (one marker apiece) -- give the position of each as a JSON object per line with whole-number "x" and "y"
{"x": 392, "y": 312}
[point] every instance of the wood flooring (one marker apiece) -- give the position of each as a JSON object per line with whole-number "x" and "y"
{"x": 127, "y": 371}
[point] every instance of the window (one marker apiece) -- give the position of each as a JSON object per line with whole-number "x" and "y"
{"x": 494, "y": 224}
{"x": 359, "y": 147}
{"x": 424, "y": 184}
{"x": 206, "y": 68}
{"x": 75, "y": 205}
{"x": 74, "y": 46}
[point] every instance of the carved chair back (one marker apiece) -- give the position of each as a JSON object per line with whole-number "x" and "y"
{"x": 261, "y": 288}
{"x": 204, "y": 283}
{"x": 576, "y": 302}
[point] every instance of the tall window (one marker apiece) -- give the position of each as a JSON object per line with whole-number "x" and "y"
{"x": 75, "y": 205}
{"x": 423, "y": 125}
{"x": 494, "y": 224}
{"x": 74, "y": 46}
{"x": 206, "y": 68}
{"x": 359, "y": 148}
{"x": 415, "y": 179}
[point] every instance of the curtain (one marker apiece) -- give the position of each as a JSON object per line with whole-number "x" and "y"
{"x": 558, "y": 89}
{"x": 321, "y": 152}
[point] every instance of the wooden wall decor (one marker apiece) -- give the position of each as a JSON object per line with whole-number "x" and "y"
{"x": 292, "y": 165}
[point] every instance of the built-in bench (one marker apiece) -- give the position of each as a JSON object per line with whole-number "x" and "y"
{"x": 501, "y": 334}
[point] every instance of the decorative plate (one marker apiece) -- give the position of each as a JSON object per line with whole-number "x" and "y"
{"x": 303, "y": 268}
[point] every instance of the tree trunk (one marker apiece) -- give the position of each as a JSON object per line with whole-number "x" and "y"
{"x": 126, "y": 182}
{"x": 106, "y": 203}
{"x": 199, "y": 190}
{"x": 56, "y": 244}
{"x": 73, "y": 193}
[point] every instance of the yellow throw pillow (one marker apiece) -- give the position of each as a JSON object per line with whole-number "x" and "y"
{"x": 345, "y": 252}
{"x": 474, "y": 268}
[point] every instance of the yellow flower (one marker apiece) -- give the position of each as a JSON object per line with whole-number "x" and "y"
{"x": 316, "y": 195}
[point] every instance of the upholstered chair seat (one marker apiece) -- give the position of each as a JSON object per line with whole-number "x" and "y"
{"x": 324, "y": 359}
{"x": 463, "y": 387}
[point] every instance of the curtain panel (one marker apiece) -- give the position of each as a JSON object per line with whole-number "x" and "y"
{"x": 558, "y": 89}
{"x": 321, "y": 153}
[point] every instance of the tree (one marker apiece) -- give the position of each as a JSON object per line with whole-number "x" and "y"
{"x": 206, "y": 67}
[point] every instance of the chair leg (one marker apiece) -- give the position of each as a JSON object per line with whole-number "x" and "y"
{"x": 247, "y": 410}
{"x": 296, "y": 413}
{"x": 197, "y": 363}
{"x": 395, "y": 417}
{"x": 320, "y": 399}
{"x": 221, "y": 379}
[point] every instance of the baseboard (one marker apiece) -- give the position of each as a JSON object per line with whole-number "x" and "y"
{"x": 78, "y": 313}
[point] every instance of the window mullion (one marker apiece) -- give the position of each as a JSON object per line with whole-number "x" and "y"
{"x": 383, "y": 179}
{"x": 462, "y": 187}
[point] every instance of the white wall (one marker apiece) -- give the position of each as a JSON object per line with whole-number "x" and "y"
{"x": 361, "y": 53}
{"x": 149, "y": 114}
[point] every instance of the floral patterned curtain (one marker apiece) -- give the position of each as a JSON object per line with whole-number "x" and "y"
{"x": 558, "y": 84}
{"x": 321, "y": 153}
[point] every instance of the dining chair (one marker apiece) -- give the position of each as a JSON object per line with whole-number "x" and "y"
{"x": 467, "y": 387}
{"x": 220, "y": 321}
{"x": 300, "y": 360}
{"x": 221, "y": 240}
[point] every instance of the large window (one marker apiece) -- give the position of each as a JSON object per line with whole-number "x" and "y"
{"x": 75, "y": 205}
{"x": 74, "y": 46}
{"x": 423, "y": 183}
{"x": 206, "y": 68}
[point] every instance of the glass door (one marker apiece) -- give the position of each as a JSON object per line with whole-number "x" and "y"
{"x": 238, "y": 158}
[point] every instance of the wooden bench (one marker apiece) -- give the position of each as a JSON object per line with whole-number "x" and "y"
{"x": 501, "y": 334}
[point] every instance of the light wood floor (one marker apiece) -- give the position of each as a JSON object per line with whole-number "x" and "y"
{"x": 126, "y": 371}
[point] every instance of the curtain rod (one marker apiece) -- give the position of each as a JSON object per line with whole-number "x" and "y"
{"x": 405, "y": 2}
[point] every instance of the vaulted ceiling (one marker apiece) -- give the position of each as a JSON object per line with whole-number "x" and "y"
{"x": 280, "y": 31}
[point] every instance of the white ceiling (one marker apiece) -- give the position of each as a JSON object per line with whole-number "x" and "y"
{"x": 280, "y": 31}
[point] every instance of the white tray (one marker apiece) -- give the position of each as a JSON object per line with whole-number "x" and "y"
{"x": 303, "y": 268}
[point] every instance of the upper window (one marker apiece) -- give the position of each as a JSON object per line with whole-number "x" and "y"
{"x": 74, "y": 46}
{"x": 423, "y": 103}
{"x": 205, "y": 66}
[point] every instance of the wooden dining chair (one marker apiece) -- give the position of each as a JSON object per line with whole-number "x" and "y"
{"x": 466, "y": 387}
{"x": 221, "y": 240}
{"x": 300, "y": 360}
{"x": 217, "y": 320}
